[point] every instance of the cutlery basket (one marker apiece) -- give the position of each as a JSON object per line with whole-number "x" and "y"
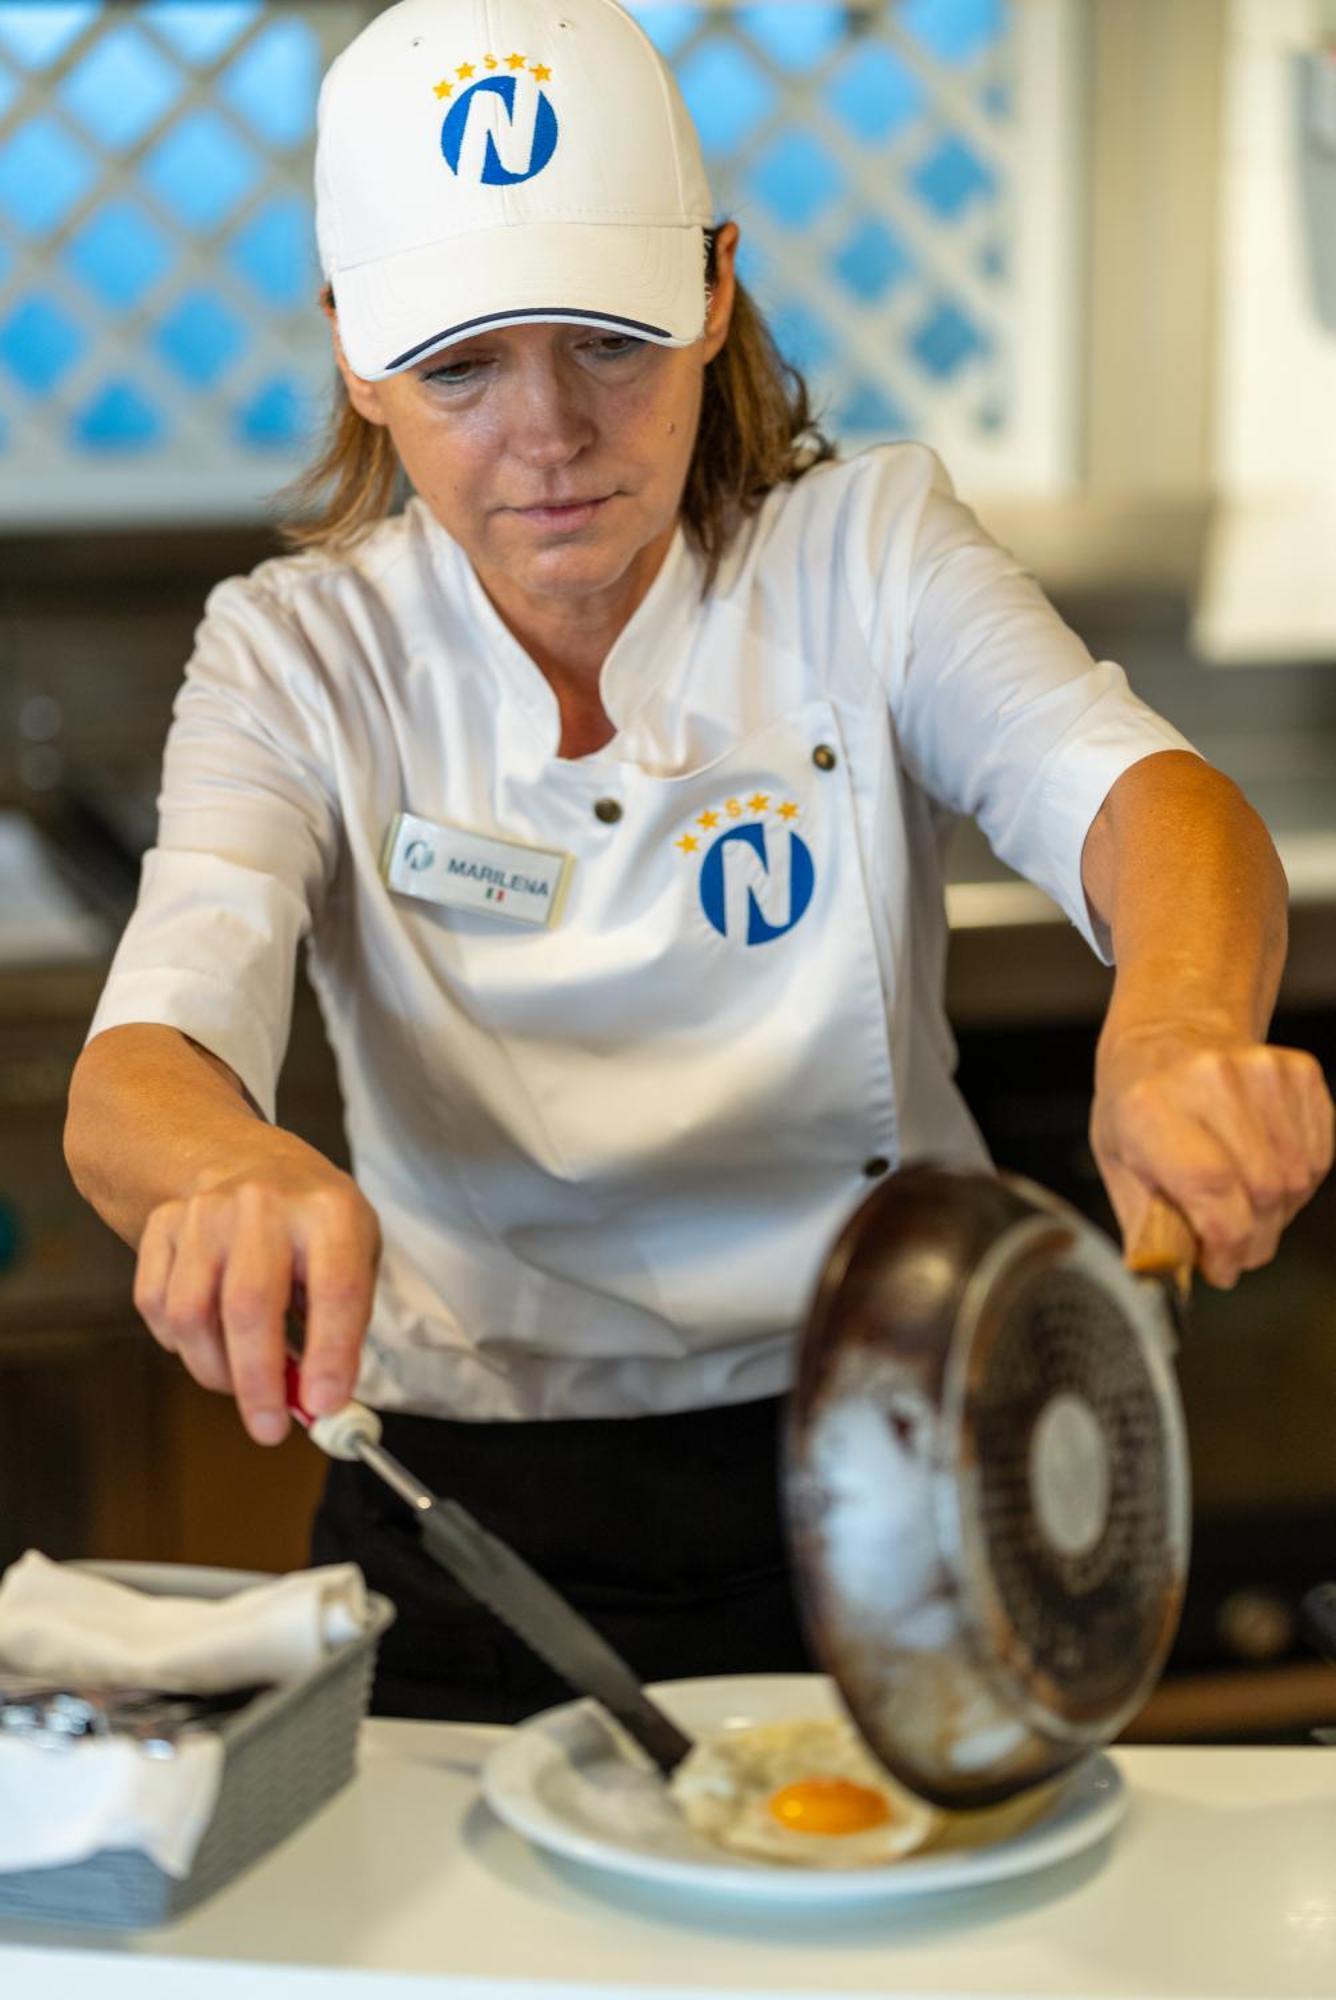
{"x": 284, "y": 1755}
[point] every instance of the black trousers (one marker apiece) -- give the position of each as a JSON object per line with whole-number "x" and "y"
{"x": 666, "y": 1532}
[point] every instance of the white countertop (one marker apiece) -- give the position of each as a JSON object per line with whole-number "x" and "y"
{"x": 1221, "y": 1881}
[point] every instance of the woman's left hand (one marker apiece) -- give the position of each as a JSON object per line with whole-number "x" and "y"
{"x": 1237, "y": 1134}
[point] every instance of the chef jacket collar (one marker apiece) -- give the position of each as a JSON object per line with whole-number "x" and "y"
{"x": 653, "y": 639}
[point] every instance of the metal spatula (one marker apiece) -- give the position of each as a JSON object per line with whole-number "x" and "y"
{"x": 492, "y": 1572}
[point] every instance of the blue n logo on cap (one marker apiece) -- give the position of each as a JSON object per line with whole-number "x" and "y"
{"x": 516, "y": 142}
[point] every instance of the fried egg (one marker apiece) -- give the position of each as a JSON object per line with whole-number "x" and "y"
{"x": 807, "y": 1792}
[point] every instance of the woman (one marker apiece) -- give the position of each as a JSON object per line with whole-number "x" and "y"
{"x": 606, "y": 780}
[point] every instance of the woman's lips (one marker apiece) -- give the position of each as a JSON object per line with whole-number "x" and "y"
{"x": 577, "y": 516}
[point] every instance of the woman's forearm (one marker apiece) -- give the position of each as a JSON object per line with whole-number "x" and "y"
{"x": 1191, "y": 1102}
{"x": 152, "y": 1118}
{"x": 1184, "y": 874}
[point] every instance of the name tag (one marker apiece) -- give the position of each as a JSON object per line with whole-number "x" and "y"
{"x": 465, "y": 871}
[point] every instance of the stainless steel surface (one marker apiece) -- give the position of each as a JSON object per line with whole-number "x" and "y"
{"x": 56, "y": 1717}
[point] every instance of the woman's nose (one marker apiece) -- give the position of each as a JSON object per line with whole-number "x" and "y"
{"x": 549, "y": 421}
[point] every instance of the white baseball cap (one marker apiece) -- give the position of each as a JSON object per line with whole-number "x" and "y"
{"x": 486, "y": 163}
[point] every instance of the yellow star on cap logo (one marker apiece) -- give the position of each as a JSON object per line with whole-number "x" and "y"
{"x": 708, "y": 820}
{"x": 688, "y": 843}
{"x": 444, "y": 89}
{"x": 758, "y": 802}
{"x": 516, "y": 62}
{"x": 465, "y": 69}
{"x": 540, "y": 72}
{"x": 788, "y": 811}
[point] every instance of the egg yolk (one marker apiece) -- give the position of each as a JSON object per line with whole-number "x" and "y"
{"x": 828, "y": 1805}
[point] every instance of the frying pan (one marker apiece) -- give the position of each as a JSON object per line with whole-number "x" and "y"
{"x": 986, "y": 1477}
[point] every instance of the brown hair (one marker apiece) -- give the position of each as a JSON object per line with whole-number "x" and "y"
{"x": 757, "y": 430}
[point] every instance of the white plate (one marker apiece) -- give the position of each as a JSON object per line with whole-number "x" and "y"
{"x": 564, "y": 1780}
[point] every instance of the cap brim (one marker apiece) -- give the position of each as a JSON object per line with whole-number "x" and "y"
{"x": 638, "y": 280}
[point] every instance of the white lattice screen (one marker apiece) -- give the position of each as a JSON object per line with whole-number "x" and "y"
{"x": 906, "y": 180}
{"x": 904, "y": 174}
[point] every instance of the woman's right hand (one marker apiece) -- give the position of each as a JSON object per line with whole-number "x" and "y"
{"x": 219, "y": 1270}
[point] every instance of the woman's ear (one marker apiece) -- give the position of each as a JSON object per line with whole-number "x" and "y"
{"x": 720, "y": 308}
{"x": 363, "y": 395}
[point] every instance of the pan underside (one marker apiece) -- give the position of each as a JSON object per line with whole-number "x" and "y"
{"x": 986, "y": 1482}
{"x": 1069, "y": 1531}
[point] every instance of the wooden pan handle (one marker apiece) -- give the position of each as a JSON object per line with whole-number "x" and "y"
{"x": 1164, "y": 1246}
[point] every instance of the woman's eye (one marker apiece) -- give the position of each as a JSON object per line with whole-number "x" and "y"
{"x": 614, "y": 345}
{"x": 451, "y": 373}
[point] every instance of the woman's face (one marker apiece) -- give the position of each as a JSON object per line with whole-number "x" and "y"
{"x": 501, "y": 433}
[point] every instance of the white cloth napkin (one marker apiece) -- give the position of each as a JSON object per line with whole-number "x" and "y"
{"x": 59, "y": 1805}
{"x": 70, "y": 1625}
{"x": 75, "y": 1628}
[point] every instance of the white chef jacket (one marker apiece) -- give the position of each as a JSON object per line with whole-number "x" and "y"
{"x": 609, "y": 1155}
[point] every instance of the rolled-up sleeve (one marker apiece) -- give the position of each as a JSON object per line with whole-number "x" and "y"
{"x": 999, "y": 709}
{"x": 245, "y": 849}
